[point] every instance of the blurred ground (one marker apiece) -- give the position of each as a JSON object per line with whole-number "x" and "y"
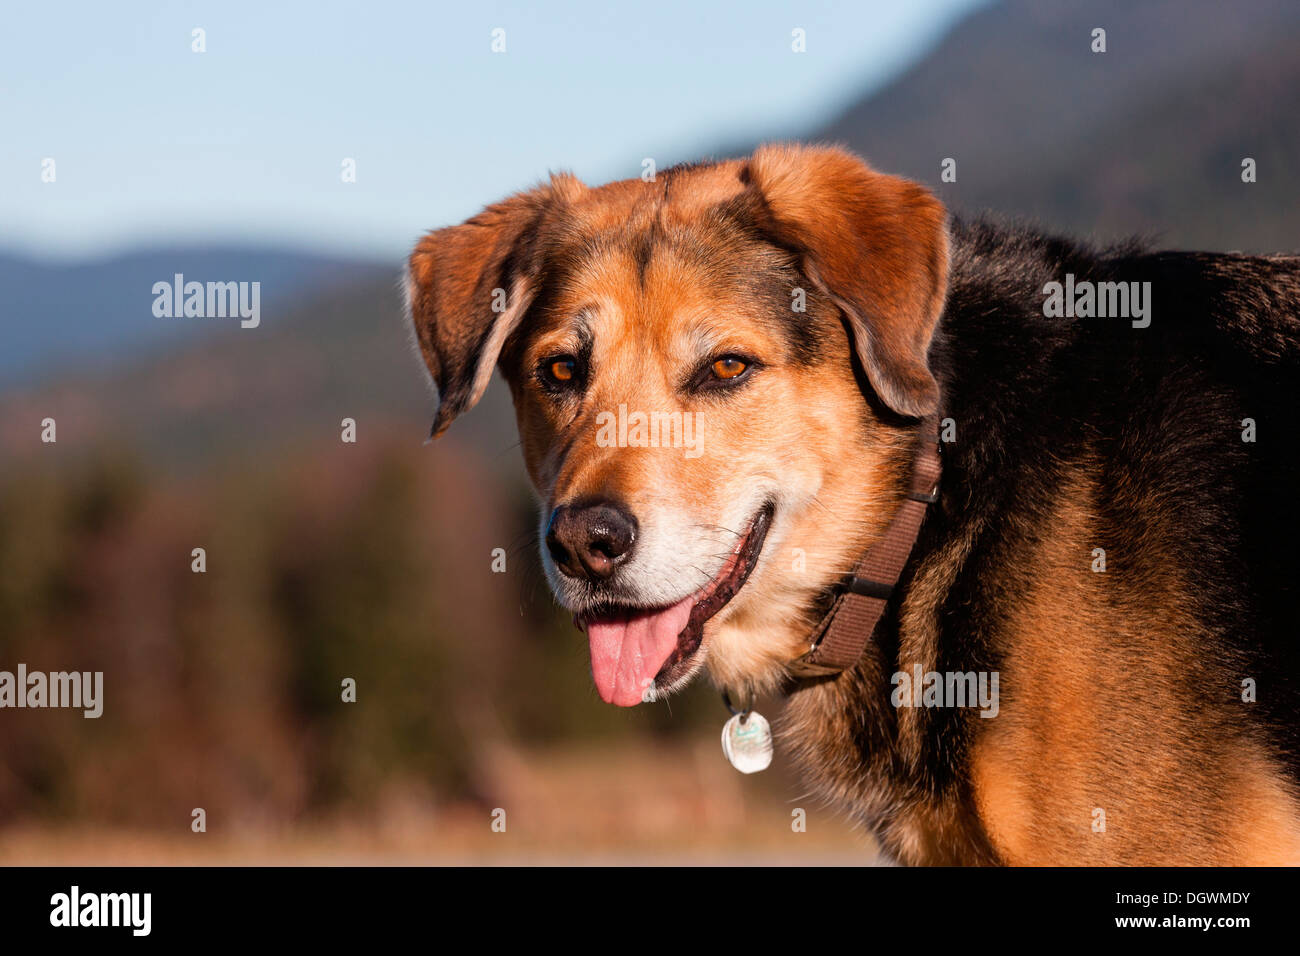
{"x": 572, "y": 805}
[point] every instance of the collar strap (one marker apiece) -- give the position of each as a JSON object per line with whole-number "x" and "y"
{"x": 842, "y": 634}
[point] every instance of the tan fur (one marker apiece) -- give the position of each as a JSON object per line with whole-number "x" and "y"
{"x": 1092, "y": 656}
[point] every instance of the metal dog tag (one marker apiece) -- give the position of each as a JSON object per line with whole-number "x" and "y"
{"x": 747, "y": 742}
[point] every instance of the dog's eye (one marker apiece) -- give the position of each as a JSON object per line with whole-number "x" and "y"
{"x": 724, "y": 372}
{"x": 560, "y": 371}
{"x": 729, "y": 366}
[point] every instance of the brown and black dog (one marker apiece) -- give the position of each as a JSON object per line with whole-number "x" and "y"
{"x": 719, "y": 378}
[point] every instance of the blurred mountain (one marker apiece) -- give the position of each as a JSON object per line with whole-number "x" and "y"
{"x": 93, "y": 313}
{"x": 229, "y": 393}
{"x": 1146, "y": 138}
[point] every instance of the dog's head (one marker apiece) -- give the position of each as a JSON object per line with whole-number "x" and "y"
{"x": 716, "y": 375}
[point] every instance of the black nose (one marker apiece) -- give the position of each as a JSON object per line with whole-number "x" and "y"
{"x": 590, "y": 540}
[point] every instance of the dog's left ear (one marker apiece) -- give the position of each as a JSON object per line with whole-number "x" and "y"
{"x": 877, "y": 244}
{"x": 468, "y": 287}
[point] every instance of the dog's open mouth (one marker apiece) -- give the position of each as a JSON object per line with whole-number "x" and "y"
{"x": 634, "y": 649}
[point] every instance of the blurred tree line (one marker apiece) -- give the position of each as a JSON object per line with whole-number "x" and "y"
{"x": 223, "y": 689}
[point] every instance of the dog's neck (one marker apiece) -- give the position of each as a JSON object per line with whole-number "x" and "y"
{"x": 878, "y": 762}
{"x": 849, "y": 624}
{"x": 871, "y": 758}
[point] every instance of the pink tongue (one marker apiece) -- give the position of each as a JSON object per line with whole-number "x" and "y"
{"x": 628, "y": 651}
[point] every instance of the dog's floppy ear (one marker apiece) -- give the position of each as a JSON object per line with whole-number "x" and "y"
{"x": 877, "y": 244}
{"x": 469, "y": 286}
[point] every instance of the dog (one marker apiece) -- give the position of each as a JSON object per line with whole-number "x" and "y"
{"x": 1113, "y": 540}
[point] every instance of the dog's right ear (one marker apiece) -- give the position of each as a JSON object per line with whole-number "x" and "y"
{"x": 468, "y": 287}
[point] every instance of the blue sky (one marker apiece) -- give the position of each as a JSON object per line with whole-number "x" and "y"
{"x": 155, "y": 143}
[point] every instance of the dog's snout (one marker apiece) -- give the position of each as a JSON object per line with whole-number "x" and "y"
{"x": 590, "y": 540}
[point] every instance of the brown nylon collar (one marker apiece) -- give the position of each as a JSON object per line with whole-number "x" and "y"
{"x": 843, "y": 633}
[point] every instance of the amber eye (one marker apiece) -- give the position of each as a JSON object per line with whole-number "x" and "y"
{"x": 729, "y": 367}
{"x": 560, "y": 371}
